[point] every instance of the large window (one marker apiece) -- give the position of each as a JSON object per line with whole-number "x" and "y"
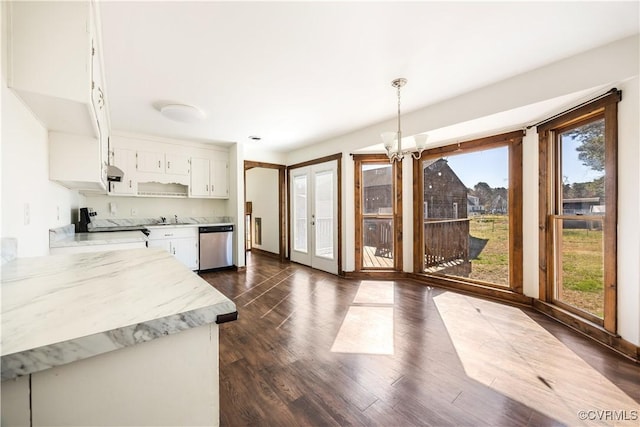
{"x": 578, "y": 211}
{"x": 378, "y": 216}
{"x": 469, "y": 212}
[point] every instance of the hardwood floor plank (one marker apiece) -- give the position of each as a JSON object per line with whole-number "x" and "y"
{"x": 456, "y": 360}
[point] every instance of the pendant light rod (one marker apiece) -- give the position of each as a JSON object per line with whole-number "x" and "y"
{"x": 387, "y": 137}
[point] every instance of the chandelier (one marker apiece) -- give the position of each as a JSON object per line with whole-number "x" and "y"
{"x": 393, "y": 140}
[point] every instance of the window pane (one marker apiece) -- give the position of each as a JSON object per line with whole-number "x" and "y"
{"x": 324, "y": 214}
{"x": 377, "y": 185}
{"x": 377, "y": 206}
{"x": 580, "y": 262}
{"x": 579, "y": 242}
{"x": 466, "y": 215}
{"x": 378, "y": 243}
{"x": 582, "y": 169}
{"x": 300, "y": 213}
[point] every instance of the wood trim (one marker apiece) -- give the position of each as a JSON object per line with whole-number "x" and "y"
{"x": 339, "y": 219}
{"x": 611, "y": 218}
{"x": 474, "y": 145}
{"x": 357, "y": 207}
{"x": 511, "y": 140}
{"x": 282, "y": 209}
{"x": 396, "y": 173}
{"x": 544, "y": 196}
{"x": 376, "y": 275}
{"x": 607, "y": 108}
{"x": 324, "y": 159}
{"x": 515, "y": 216}
{"x": 614, "y": 97}
{"x": 397, "y": 217}
{"x": 418, "y": 218}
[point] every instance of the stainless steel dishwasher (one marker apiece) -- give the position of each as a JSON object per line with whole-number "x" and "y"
{"x": 216, "y": 247}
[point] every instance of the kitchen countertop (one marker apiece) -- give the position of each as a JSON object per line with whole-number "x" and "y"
{"x": 61, "y": 308}
{"x": 85, "y": 239}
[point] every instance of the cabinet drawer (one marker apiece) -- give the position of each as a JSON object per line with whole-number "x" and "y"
{"x": 168, "y": 232}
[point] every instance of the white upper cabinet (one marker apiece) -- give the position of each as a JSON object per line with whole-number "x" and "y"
{"x": 176, "y": 164}
{"x": 150, "y": 161}
{"x": 76, "y": 161}
{"x": 53, "y": 64}
{"x": 210, "y": 177}
{"x": 126, "y": 160}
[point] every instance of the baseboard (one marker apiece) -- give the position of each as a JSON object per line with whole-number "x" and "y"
{"x": 265, "y": 253}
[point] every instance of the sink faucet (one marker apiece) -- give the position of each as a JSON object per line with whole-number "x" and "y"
{"x": 176, "y": 216}
{"x": 163, "y": 219}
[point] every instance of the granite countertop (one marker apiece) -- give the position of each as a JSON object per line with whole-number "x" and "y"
{"x": 85, "y": 239}
{"x": 61, "y": 308}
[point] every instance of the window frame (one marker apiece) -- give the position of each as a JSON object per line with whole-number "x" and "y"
{"x": 366, "y": 159}
{"x": 606, "y": 107}
{"x": 511, "y": 140}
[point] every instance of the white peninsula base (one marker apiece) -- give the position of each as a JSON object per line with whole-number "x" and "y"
{"x": 171, "y": 380}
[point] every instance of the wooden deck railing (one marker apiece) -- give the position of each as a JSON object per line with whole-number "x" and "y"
{"x": 445, "y": 240}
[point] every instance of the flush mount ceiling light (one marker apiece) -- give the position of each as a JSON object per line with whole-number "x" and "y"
{"x": 391, "y": 139}
{"x": 182, "y": 113}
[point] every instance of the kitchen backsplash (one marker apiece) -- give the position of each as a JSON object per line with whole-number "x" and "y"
{"x": 120, "y": 222}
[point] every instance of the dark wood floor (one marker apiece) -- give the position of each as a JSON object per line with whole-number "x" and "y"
{"x": 456, "y": 360}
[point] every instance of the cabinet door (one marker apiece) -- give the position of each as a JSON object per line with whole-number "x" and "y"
{"x": 219, "y": 178}
{"x": 176, "y": 164}
{"x": 199, "y": 177}
{"x": 186, "y": 251}
{"x": 162, "y": 244}
{"x": 125, "y": 160}
{"x": 150, "y": 161}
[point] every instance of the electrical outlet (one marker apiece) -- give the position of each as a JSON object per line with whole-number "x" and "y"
{"x": 58, "y": 213}
{"x": 27, "y": 214}
{"x": 134, "y": 211}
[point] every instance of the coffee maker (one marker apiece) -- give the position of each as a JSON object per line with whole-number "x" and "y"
{"x": 85, "y": 219}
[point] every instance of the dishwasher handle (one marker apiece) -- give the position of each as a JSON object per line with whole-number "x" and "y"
{"x": 216, "y": 229}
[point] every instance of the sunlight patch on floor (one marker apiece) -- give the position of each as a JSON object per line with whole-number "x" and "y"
{"x": 374, "y": 292}
{"x": 368, "y": 325}
{"x": 500, "y": 346}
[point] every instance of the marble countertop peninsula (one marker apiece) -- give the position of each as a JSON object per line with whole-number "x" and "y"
{"x": 84, "y": 239}
{"x": 61, "y": 308}
{"x": 137, "y": 223}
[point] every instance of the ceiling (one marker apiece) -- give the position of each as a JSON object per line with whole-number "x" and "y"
{"x": 298, "y": 73}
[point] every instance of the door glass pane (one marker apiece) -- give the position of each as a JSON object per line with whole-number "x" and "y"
{"x": 377, "y": 208}
{"x": 466, "y": 215}
{"x": 324, "y": 214}
{"x": 300, "y": 213}
{"x": 579, "y": 241}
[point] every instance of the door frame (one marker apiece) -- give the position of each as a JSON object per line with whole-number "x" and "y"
{"x": 338, "y": 158}
{"x": 282, "y": 207}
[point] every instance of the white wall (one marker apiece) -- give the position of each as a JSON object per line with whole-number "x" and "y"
{"x": 262, "y": 190}
{"x": 25, "y": 181}
{"x": 613, "y": 65}
{"x": 154, "y": 207}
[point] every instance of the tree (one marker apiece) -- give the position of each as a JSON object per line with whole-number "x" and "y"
{"x": 591, "y": 139}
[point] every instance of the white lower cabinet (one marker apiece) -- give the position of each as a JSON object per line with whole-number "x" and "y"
{"x": 181, "y": 242}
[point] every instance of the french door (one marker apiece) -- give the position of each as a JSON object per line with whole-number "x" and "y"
{"x": 314, "y": 213}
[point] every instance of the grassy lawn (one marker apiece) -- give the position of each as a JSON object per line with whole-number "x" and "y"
{"x": 582, "y": 274}
{"x": 492, "y": 265}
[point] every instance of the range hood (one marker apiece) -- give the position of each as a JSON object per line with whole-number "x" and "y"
{"x": 114, "y": 173}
